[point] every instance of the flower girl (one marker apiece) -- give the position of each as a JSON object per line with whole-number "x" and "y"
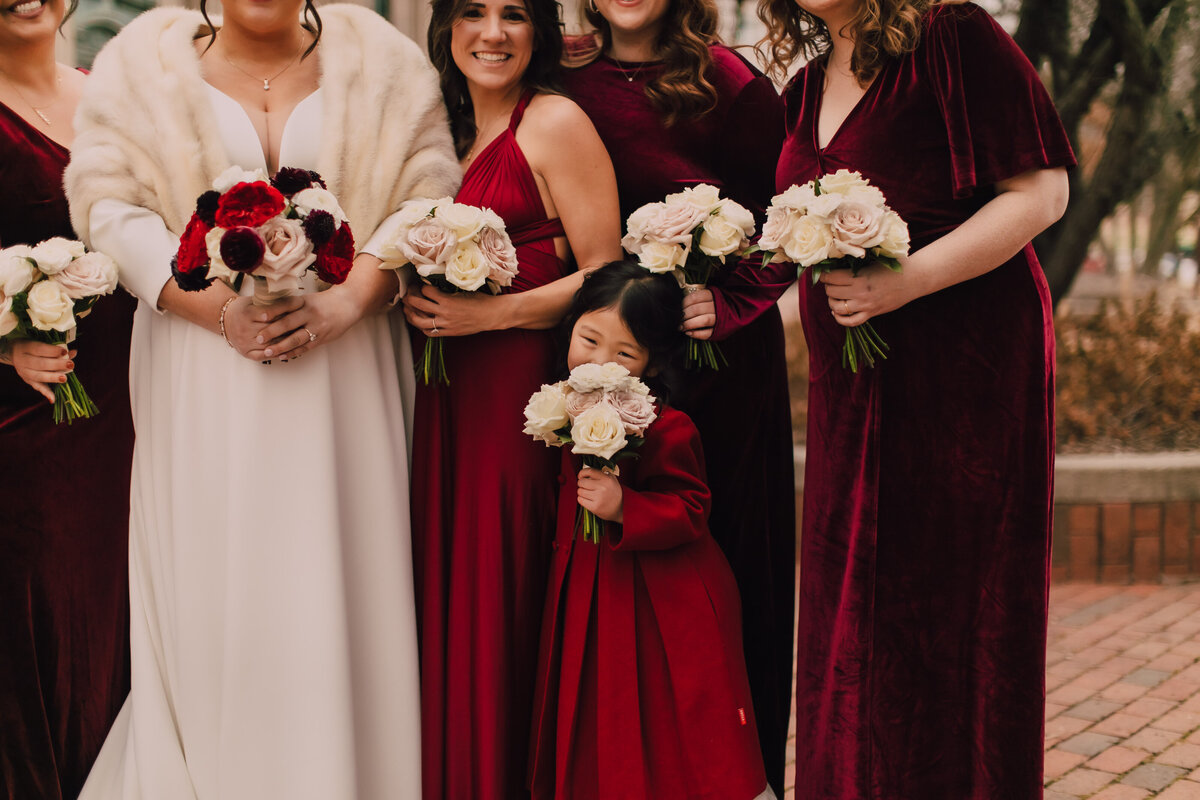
{"x": 641, "y": 686}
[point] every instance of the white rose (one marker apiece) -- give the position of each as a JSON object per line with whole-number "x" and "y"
{"x": 53, "y": 255}
{"x": 796, "y": 197}
{"x": 603, "y": 377}
{"x": 545, "y": 413}
{"x": 842, "y": 181}
{"x": 216, "y": 265}
{"x": 673, "y": 224}
{"x": 599, "y": 431}
{"x": 428, "y": 246}
{"x": 775, "y": 230}
{"x": 492, "y": 220}
{"x": 895, "y": 236}
{"x": 289, "y": 253}
{"x": 307, "y": 201}
{"x": 636, "y": 410}
{"x": 661, "y": 257}
{"x": 825, "y": 206}
{"x": 235, "y": 175}
{"x": 808, "y": 241}
{"x": 871, "y": 195}
{"x": 89, "y": 275}
{"x": 635, "y": 228}
{"x": 16, "y": 273}
{"x": 703, "y": 197}
{"x": 464, "y": 221}
{"x": 856, "y": 228}
{"x": 8, "y": 320}
{"x": 579, "y": 402}
{"x": 636, "y": 386}
{"x": 468, "y": 268}
{"x": 722, "y": 236}
{"x": 50, "y": 309}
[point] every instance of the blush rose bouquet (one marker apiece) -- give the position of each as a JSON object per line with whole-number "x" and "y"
{"x": 602, "y": 412}
{"x": 272, "y": 230}
{"x": 44, "y": 291}
{"x": 453, "y": 246}
{"x": 690, "y": 234}
{"x": 839, "y": 221}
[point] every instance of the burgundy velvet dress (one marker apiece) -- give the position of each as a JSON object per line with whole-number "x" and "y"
{"x": 642, "y": 690}
{"x": 742, "y": 410}
{"x": 927, "y": 496}
{"x": 483, "y": 500}
{"x": 64, "y": 519}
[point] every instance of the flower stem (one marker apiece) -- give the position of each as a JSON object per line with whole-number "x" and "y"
{"x": 71, "y": 401}
{"x": 432, "y": 366}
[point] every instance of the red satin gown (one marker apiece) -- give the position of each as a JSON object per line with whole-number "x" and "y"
{"x": 483, "y": 515}
{"x": 742, "y": 410}
{"x": 925, "y": 548}
{"x": 64, "y": 518}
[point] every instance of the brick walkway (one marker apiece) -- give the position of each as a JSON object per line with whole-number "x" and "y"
{"x": 1123, "y": 702}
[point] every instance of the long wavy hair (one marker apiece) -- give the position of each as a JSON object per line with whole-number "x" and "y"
{"x": 543, "y": 74}
{"x": 312, "y": 24}
{"x": 681, "y": 90}
{"x": 880, "y": 29}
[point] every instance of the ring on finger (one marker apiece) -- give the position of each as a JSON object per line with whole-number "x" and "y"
{"x": 312, "y": 337}
{"x": 845, "y": 308}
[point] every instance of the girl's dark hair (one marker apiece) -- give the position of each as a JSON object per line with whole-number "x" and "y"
{"x": 650, "y": 304}
{"x": 71, "y": 7}
{"x": 543, "y": 74}
{"x": 312, "y": 24}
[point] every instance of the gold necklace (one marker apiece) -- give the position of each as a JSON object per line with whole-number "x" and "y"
{"x": 628, "y": 77}
{"x": 266, "y": 82}
{"x": 41, "y": 115}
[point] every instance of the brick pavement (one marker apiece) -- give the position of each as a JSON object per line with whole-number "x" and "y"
{"x": 1123, "y": 693}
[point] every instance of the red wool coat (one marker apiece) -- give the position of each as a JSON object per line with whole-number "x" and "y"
{"x": 641, "y": 685}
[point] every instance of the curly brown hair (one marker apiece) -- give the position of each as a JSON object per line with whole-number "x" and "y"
{"x": 681, "y": 90}
{"x": 881, "y": 29}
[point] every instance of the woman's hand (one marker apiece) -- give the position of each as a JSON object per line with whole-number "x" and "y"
{"x": 699, "y": 314}
{"x": 600, "y": 493}
{"x": 875, "y": 290}
{"x": 437, "y": 313}
{"x": 320, "y": 318}
{"x": 245, "y": 323}
{"x": 42, "y": 365}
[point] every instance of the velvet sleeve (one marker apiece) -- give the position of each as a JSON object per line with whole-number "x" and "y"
{"x": 1000, "y": 120}
{"x": 669, "y": 506}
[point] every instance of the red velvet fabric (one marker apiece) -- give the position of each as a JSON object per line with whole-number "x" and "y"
{"x": 742, "y": 411}
{"x": 927, "y": 504}
{"x": 642, "y": 690}
{"x": 483, "y": 516}
{"x": 64, "y": 519}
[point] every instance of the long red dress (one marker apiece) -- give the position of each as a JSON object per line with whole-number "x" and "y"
{"x": 642, "y": 690}
{"x": 483, "y": 515}
{"x": 927, "y": 495}
{"x": 64, "y": 518}
{"x": 734, "y": 147}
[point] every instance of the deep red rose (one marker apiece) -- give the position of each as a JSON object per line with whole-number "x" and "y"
{"x": 190, "y": 264}
{"x": 336, "y": 257}
{"x": 242, "y": 249}
{"x": 249, "y": 205}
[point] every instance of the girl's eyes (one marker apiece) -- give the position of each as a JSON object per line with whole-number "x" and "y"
{"x": 509, "y": 16}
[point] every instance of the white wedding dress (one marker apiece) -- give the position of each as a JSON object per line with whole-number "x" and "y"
{"x": 273, "y": 629}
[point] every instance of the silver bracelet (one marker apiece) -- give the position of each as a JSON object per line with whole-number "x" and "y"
{"x": 221, "y": 321}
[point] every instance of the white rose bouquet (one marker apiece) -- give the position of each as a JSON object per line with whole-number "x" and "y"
{"x": 839, "y": 221}
{"x": 690, "y": 234}
{"x": 44, "y": 291}
{"x": 455, "y": 247}
{"x": 272, "y": 230}
{"x": 602, "y": 412}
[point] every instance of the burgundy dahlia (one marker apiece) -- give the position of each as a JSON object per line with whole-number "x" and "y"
{"x": 319, "y": 227}
{"x": 290, "y": 180}
{"x": 206, "y": 207}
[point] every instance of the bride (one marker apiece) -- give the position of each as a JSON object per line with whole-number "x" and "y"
{"x": 273, "y": 634}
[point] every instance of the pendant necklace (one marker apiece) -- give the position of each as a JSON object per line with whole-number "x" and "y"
{"x": 41, "y": 114}
{"x": 629, "y": 76}
{"x": 266, "y": 82}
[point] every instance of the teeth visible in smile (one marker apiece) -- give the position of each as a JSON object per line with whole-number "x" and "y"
{"x": 493, "y": 57}
{"x": 27, "y": 7}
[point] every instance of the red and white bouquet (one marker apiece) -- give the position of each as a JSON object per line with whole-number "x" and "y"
{"x": 839, "y": 221}
{"x": 601, "y": 411}
{"x": 44, "y": 291}
{"x": 690, "y": 234}
{"x": 272, "y": 230}
{"x": 455, "y": 247}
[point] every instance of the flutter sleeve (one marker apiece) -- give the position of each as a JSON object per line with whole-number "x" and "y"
{"x": 670, "y": 505}
{"x": 1000, "y": 120}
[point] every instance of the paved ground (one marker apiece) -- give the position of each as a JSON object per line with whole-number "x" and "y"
{"x": 1123, "y": 693}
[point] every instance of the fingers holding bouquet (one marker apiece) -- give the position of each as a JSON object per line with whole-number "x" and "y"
{"x": 855, "y": 298}
{"x": 42, "y": 365}
{"x": 699, "y": 314}
{"x": 321, "y": 318}
{"x": 441, "y": 314}
{"x": 600, "y": 492}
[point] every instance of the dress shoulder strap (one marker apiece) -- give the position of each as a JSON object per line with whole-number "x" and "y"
{"x": 519, "y": 109}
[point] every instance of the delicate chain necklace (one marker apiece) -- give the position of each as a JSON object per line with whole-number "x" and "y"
{"x": 36, "y": 110}
{"x": 266, "y": 82}
{"x": 628, "y": 76}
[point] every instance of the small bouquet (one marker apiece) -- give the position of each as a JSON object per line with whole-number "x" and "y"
{"x": 662, "y": 236}
{"x": 601, "y": 411}
{"x": 44, "y": 291}
{"x": 840, "y": 221}
{"x": 455, "y": 247}
{"x": 274, "y": 231}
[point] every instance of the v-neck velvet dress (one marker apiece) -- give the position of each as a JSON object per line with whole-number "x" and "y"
{"x": 484, "y": 497}
{"x": 742, "y": 410}
{"x": 64, "y": 518}
{"x": 927, "y": 506}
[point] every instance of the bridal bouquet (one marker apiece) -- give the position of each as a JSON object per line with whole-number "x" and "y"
{"x": 839, "y": 221}
{"x": 455, "y": 247}
{"x": 44, "y": 291}
{"x": 274, "y": 231}
{"x": 690, "y": 234}
{"x": 601, "y": 411}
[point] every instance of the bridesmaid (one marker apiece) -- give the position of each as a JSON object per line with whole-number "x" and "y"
{"x": 925, "y": 548}
{"x": 483, "y": 518}
{"x": 676, "y": 108}
{"x": 64, "y": 491}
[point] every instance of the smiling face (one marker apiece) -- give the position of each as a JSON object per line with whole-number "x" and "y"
{"x": 602, "y": 336}
{"x": 643, "y": 18}
{"x": 261, "y": 18}
{"x": 492, "y": 43}
{"x": 25, "y": 22}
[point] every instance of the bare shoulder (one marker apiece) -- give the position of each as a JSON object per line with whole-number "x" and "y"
{"x": 552, "y": 118}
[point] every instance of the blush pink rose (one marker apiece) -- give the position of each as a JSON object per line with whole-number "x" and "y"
{"x": 288, "y": 253}
{"x": 429, "y": 243}
{"x": 579, "y": 402}
{"x": 857, "y": 226}
{"x": 636, "y": 410}
{"x": 501, "y": 256}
